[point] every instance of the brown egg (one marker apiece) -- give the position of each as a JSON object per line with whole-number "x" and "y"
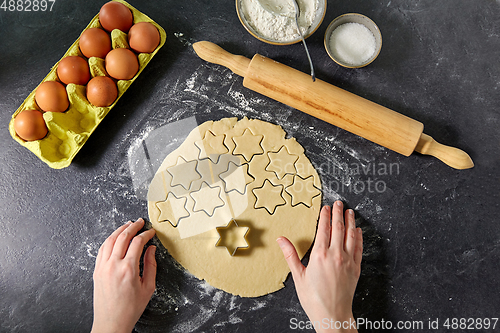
{"x": 102, "y": 91}
{"x": 95, "y": 42}
{"x": 29, "y": 125}
{"x": 52, "y": 96}
{"x": 73, "y": 69}
{"x": 143, "y": 37}
{"x": 114, "y": 15}
{"x": 121, "y": 64}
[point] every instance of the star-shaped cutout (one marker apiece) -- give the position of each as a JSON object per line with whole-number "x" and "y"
{"x": 212, "y": 146}
{"x": 282, "y": 162}
{"x": 248, "y": 144}
{"x": 207, "y": 199}
{"x": 269, "y": 196}
{"x": 183, "y": 173}
{"x": 302, "y": 190}
{"x": 173, "y": 209}
{"x": 232, "y": 237}
{"x": 236, "y": 177}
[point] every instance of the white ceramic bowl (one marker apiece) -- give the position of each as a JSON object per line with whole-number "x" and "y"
{"x": 318, "y": 19}
{"x": 353, "y": 18}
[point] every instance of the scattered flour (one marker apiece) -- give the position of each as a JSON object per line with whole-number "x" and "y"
{"x": 185, "y": 41}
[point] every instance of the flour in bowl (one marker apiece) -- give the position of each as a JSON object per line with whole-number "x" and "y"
{"x": 280, "y": 28}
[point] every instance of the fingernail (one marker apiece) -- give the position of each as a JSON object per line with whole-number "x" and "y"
{"x": 280, "y": 241}
{"x": 154, "y": 249}
{"x": 128, "y": 223}
{"x": 139, "y": 220}
{"x": 339, "y": 203}
{"x": 327, "y": 208}
{"x": 351, "y": 212}
{"x": 359, "y": 230}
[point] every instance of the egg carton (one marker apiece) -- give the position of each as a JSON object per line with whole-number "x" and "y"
{"x": 69, "y": 131}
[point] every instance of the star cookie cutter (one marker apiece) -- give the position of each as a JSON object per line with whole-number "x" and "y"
{"x": 232, "y": 237}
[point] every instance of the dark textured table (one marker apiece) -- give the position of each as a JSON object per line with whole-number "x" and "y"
{"x": 432, "y": 233}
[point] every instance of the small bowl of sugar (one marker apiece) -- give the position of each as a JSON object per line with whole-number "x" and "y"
{"x": 353, "y": 40}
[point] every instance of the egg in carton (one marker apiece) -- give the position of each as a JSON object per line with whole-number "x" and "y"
{"x": 68, "y": 131}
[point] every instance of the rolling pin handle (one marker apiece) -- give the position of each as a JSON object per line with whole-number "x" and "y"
{"x": 454, "y": 157}
{"x": 213, "y": 53}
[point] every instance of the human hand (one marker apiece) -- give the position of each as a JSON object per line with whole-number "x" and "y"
{"x": 326, "y": 286}
{"x": 120, "y": 293}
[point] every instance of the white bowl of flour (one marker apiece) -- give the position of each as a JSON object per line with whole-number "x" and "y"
{"x": 280, "y": 29}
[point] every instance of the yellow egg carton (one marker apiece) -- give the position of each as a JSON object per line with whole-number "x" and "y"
{"x": 68, "y": 131}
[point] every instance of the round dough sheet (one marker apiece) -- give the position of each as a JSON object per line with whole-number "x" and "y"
{"x": 220, "y": 201}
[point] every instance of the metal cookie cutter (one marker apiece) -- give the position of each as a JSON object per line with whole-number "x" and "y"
{"x": 232, "y": 237}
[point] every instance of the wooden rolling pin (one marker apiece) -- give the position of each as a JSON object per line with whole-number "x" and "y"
{"x": 333, "y": 105}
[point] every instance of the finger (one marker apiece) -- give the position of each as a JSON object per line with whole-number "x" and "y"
{"x": 337, "y": 240}
{"x": 149, "y": 272}
{"x": 123, "y": 240}
{"x": 98, "y": 260}
{"x": 137, "y": 245}
{"x": 107, "y": 247}
{"x": 350, "y": 233}
{"x": 358, "y": 254}
{"x": 323, "y": 234}
{"x": 291, "y": 258}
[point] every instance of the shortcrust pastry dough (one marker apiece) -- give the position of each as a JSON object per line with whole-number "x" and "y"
{"x": 244, "y": 170}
